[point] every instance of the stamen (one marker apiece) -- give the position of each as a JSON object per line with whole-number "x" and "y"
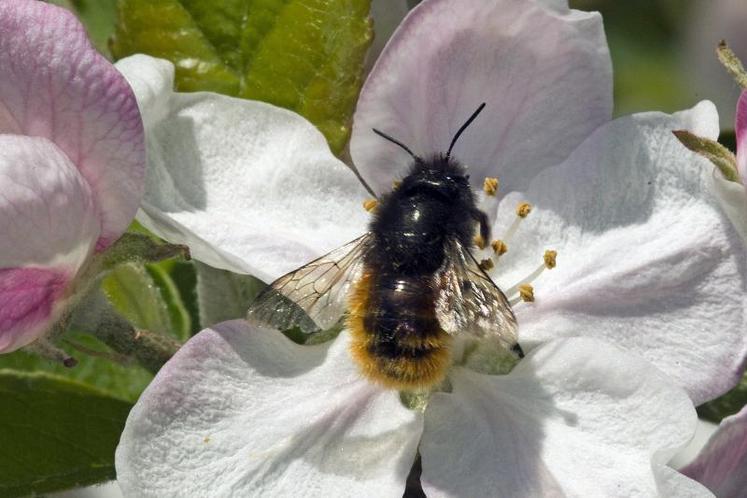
{"x": 370, "y": 204}
{"x": 523, "y": 210}
{"x": 548, "y": 263}
{"x": 490, "y": 185}
{"x": 499, "y": 247}
{"x": 526, "y": 292}
{"x": 479, "y": 241}
{"x": 549, "y": 258}
{"x": 487, "y": 264}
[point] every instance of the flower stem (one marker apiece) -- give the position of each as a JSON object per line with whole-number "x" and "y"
{"x": 96, "y": 316}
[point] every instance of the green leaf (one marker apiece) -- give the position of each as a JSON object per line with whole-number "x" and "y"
{"x": 56, "y": 434}
{"x": 123, "y": 381}
{"x": 135, "y": 295}
{"x": 728, "y": 404}
{"x": 183, "y": 278}
{"x": 222, "y": 295}
{"x": 304, "y": 55}
{"x": 148, "y": 297}
{"x": 179, "y": 318}
{"x": 98, "y": 17}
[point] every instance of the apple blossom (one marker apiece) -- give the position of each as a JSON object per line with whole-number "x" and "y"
{"x": 254, "y": 189}
{"x": 646, "y": 260}
{"x": 72, "y": 160}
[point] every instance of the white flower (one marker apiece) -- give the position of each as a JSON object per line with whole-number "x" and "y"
{"x": 646, "y": 261}
{"x": 241, "y": 411}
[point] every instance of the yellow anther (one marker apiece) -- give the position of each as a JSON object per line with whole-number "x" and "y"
{"x": 396, "y": 184}
{"x": 479, "y": 241}
{"x": 499, "y": 247}
{"x": 526, "y": 292}
{"x": 370, "y": 204}
{"x": 550, "y": 259}
{"x": 523, "y": 209}
{"x": 490, "y": 185}
{"x": 486, "y": 264}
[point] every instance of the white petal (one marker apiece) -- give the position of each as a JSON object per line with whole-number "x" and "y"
{"x": 703, "y": 433}
{"x": 733, "y": 198}
{"x": 241, "y": 411}
{"x": 250, "y": 187}
{"x": 151, "y": 81}
{"x": 577, "y": 417}
{"x": 646, "y": 258}
{"x": 544, "y": 73}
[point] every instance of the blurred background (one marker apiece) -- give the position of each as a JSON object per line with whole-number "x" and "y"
{"x": 663, "y": 52}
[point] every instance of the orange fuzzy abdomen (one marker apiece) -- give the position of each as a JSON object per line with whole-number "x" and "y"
{"x": 396, "y": 338}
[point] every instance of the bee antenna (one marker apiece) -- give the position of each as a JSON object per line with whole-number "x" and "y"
{"x": 395, "y": 141}
{"x": 464, "y": 127}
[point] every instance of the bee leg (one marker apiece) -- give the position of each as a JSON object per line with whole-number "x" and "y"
{"x": 516, "y": 349}
{"x": 482, "y": 219}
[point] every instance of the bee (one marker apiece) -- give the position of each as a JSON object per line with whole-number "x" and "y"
{"x": 409, "y": 286}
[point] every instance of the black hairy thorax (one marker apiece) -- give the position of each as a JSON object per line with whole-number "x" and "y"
{"x": 412, "y": 225}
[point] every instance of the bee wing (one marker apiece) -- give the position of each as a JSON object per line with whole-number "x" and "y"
{"x": 312, "y": 297}
{"x": 470, "y": 302}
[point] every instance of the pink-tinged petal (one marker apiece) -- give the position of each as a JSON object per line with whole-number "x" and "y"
{"x": 741, "y": 131}
{"x": 577, "y": 417}
{"x": 722, "y": 464}
{"x": 55, "y": 85}
{"x": 49, "y": 228}
{"x": 31, "y": 299}
{"x": 646, "y": 259}
{"x": 543, "y": 70}
{"x": 242, "y": 411}
{"x": 248, "y": 186}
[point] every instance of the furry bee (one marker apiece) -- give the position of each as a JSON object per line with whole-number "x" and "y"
{"x": 406, "y": 287}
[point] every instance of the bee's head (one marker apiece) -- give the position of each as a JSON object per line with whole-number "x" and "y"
{"x": 441, "y": 176}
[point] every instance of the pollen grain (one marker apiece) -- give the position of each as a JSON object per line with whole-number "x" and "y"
{"x": 526, "y": 292}
{"x": 499, "y": 247}
{"x": 523, "y": 210}
{"x": 490, "y": 185}
{"x": 549, "y": 258}
{"x": 370, "y": 204}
